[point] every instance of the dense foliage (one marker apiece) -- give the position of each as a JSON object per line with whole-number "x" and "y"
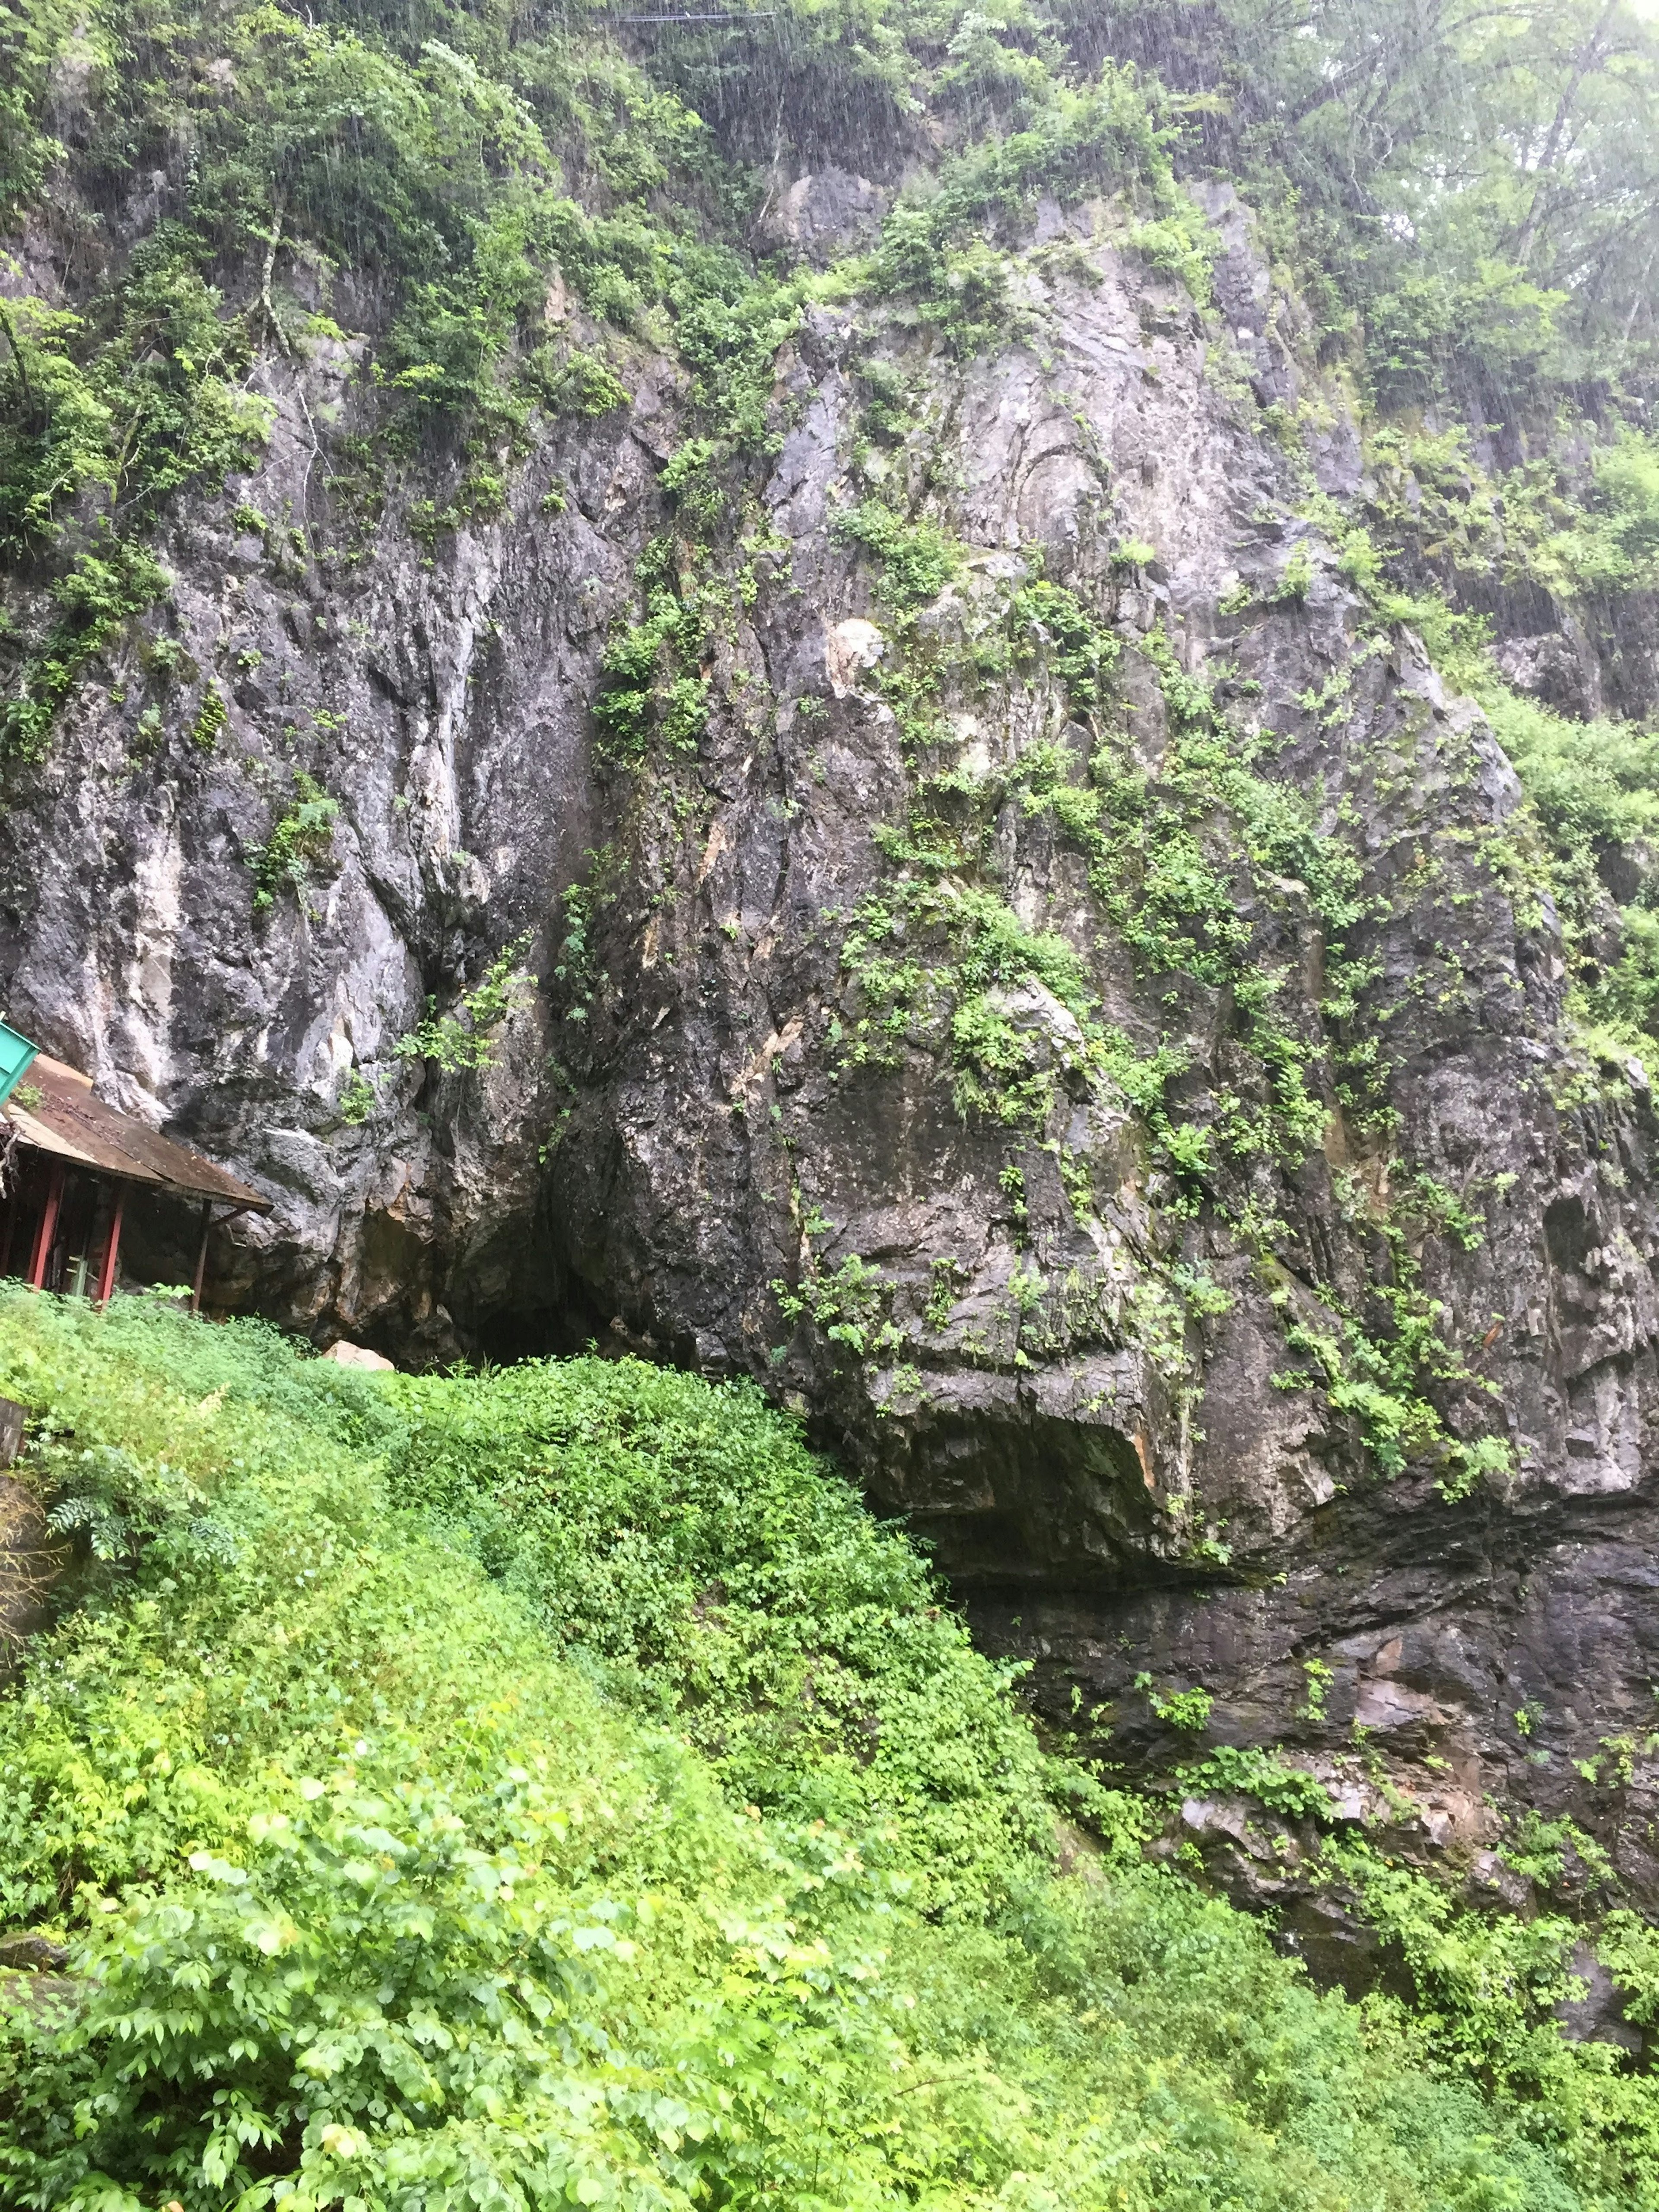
{"x": 551, "y": 1788}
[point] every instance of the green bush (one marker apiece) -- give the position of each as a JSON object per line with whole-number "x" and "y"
{"x": 683, "y": 1537}
{"x": 302, "y": 838}
{"x": 647, "y": 686}
{"x": 466, "y": 1039}
{"x": 386, "y": 1782}
{"x": 1113, "y": 135}
{"x": 918, "y": 559}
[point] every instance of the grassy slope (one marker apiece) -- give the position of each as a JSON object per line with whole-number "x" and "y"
{"x": 689, "y": 1856}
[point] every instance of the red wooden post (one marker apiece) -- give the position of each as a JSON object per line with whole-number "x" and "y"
{"x": 107, "y": 1274}
{"x": 43, "y": 1235}
{"x": 201, "y": 1257}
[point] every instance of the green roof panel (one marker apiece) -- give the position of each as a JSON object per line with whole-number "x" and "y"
{"x": 16, "y": 1054}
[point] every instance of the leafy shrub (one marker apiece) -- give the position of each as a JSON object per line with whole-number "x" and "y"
{"x": 581, "y": 384}
{"x": 1628, "y": 481}
{"x": 1188, "y": 1710}
{"x": 917, "y": 558}
{"x": 647, "y": 686}
{"x": 466, "y": 1038}
{"x": 302, "y": 838}
{"x": 211, "y": 717}
{"x": 95, "y": 437}
{"x": 357, "y": 1100}
{"x": 372, "y": 1898}
{"x": 685, "y": 1537}
{"x": 1112, "y": 135}
{"x": 1081, "y": 652}
{"x": 1259, "y": 1774}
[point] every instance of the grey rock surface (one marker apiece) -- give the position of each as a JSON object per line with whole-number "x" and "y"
{"x": 824, "y": 215}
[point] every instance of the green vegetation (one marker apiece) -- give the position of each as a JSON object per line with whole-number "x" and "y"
{"x": 1116, "y": 131}
{"x": 1595, "y": 788}
{"x": 211, "y": 717}
{"x": 301, "y": 839}
{"x": 917, "y": 559}
{"x": 550, "y": 1788}
{"x": 1274, "y": 1784}
{"x": 1188, "y": 1710}
{"x": 357, "y": 1099}
{"x": 103, "y": 419}
{"x": 679, "y": 1539}
{"x": 647, "y": 686}
{"x": 465, "y": 1038}
{"x": 1468, "y": 194}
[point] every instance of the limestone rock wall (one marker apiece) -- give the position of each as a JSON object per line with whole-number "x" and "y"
{"x": 1081, "y": 1371}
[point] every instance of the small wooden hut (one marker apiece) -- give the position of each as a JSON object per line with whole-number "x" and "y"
{"x": 74, "y": 1163}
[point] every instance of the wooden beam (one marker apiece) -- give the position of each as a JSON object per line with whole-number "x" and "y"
{"x": 107, "y": 1273}
{"x": 43, "y": 1235}
{"x": 201, "y": 1254}
{"x": 201, "y": 1257}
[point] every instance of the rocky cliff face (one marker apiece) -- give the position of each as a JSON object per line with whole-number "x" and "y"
{"x": 1049, "y": 983}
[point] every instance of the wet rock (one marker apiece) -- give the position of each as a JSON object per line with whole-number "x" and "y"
{"x": 30, "y": 1954}
{"x": 1597, "y": 2015}
{"x": 822, "y": 215}
{"x": 1551, "y": 667}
